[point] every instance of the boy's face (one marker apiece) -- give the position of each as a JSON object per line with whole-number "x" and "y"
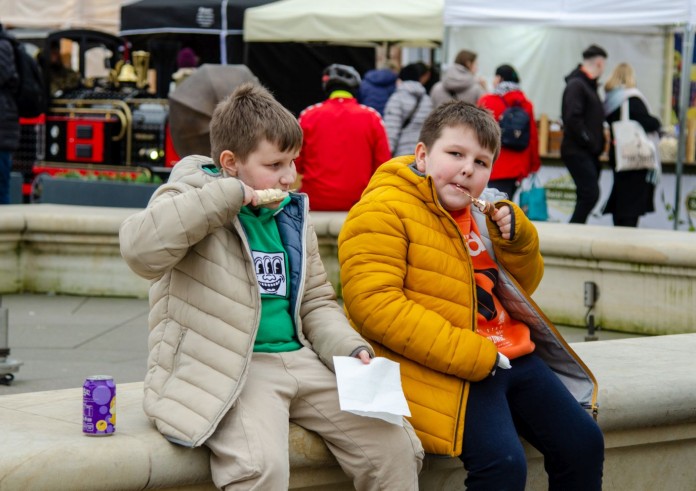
{"x": 265, "y": 168}
{"x": 458, "y": 164}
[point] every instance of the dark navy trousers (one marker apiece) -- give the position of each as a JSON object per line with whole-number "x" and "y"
{"x": 5, "y": 169}
{"x": 529, "y": 400}
{"x": 585, "y": 170}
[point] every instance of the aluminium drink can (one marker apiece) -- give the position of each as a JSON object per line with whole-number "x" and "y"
{"x": 99, "y": 406}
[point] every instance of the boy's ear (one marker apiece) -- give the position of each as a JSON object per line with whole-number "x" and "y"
{"x": 420, "y": 153}
{"x": 228, "y": 162}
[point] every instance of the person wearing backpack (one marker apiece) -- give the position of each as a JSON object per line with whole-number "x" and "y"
{"x": 519, "y": 153}
{"x": 9, "y": 118}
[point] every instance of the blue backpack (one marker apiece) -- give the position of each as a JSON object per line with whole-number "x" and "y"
{"x": 514, "y": 127}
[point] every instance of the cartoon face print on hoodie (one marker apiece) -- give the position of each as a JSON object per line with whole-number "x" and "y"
{"x": 271, "y": 272}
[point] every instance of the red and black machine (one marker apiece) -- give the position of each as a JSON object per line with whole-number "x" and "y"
{"x": 105, "y": 122}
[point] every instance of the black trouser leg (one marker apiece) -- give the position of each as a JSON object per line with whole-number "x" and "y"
{"x": 584, "y": 169}
{"x": 620, "y": 221}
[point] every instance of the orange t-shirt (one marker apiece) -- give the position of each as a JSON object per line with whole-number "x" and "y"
{"x": 511, "y": 336}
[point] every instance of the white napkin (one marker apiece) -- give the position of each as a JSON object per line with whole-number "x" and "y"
{"x": 372, "y": 390}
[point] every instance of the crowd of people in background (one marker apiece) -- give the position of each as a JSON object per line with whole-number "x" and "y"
{"x": 402, "y": 98}
{"x": 584, "y": 118}
{"x": 366, "y": 120}
{"x": 336, "y": 165}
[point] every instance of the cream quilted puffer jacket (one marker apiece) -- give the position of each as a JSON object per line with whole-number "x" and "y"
{"x": 204, "y": 298}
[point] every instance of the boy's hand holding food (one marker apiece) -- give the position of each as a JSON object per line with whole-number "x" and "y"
{"x": 258, "y": 197}
{"x": 503, "y": 219}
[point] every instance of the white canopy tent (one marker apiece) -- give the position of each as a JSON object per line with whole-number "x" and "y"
{"x": 544, "y": 39}
{"x": 102, "y": 15}
{"x": 596, "y": 13}
{"x": 418, "y": 21}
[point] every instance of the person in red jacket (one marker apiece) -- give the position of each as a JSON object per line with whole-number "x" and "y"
{"x": 513, "y": 165}
{"x": 344, "y": 143}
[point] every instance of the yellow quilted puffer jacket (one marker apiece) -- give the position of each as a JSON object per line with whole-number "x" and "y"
{"x": 408, "y": 287}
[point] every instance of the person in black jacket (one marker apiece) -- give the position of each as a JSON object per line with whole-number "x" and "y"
{"x": 583, "y": 130}
{"x": 633, "y": 192}
{"x": 9, "y": 118}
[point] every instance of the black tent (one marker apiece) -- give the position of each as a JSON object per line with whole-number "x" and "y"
{"x": 220, "y": 18}
{"x": 213, "y": 29}
{"x": 146, "y": 16}
{"x": 292, "y": 71}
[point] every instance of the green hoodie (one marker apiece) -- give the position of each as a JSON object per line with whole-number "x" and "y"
{"x": 276, "y": 331}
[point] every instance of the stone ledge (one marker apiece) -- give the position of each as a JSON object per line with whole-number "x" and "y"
{"x": 643, "y": 382}
{"x": 632, "y": 245}
{"x": 43, "y": 448}
{"x": 645, "y": 277}
{"x": 647, "y": 413}
{"x": 638, "y": 246}
{"x": 72, "y": 219}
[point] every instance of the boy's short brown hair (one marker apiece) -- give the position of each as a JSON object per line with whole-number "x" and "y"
{"x": 247, "y": 117}
{"x": 460, "y": 113}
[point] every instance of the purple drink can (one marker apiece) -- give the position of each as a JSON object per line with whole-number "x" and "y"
{"x": 99, "y": 406}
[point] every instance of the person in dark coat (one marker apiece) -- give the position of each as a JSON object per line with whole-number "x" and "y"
{"x": 583, "y": 130}
{"x": 633, "y": 192}
{"x": 377, "y": 86}
{"x": 9, "y": 118}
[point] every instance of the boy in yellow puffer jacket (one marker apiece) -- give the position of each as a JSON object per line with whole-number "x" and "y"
{"x": 443, "y": 289}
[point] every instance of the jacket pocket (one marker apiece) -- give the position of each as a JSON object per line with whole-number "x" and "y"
{"x": 176, "y": 356}
{"x": 178, "y": 349}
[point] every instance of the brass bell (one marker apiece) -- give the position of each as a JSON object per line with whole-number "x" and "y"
{"x": 127, "y": 74}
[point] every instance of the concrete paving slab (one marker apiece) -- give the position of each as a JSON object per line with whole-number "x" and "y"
{"x": 50, "y": 321}
{"x": 61, "y": 339}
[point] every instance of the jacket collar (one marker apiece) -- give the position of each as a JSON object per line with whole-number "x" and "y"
{"x": 341, "y": 94}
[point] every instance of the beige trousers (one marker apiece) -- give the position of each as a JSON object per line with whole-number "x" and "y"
{"x": 249, "y": 449}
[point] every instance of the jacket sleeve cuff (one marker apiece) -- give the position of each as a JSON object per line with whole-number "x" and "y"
{"x": 495, "y": 364}
{"x": 357, "y": 350}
